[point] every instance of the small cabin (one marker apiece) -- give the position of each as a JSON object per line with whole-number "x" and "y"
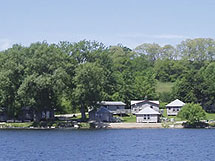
{"x": 138, "y": 105}
{"x": 174, "y": 107}
{"x": 114, "y": 107}
{"x": 147, "y": 115}
{"x": 101, "y": 114}
{"x": 30, "y": 114}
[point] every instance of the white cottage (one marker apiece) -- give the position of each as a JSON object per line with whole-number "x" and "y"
{"x": 114, "y": 107}
{"x": 147, "y": 115}
{"x": 174, "y": 107}
{"x": 138, "y": 105}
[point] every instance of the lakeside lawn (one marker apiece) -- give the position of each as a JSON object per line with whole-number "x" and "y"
{"x": 130, "y": 118}
{"x": 210, "y": 116}
{"x": 169, "y": 117}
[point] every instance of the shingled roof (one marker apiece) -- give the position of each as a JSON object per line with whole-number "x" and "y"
{"x": 148, "y": 111}
{"x": 176, "y": 103}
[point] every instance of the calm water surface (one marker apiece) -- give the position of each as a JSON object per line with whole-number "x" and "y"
{"x": 108, "y": 145}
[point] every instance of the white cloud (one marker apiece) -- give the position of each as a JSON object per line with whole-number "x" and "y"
{"x": 4, "y": 44}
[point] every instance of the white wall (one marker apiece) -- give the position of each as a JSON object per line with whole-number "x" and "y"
{"x": 153, "y": 118}
{"x": 173, "y": 110}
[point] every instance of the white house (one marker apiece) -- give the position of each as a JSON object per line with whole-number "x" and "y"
{"x": 174, "y": 107}
{"x": 114, "y": 107}
{"x": 147, "y": 115}
{"x": 138, "y": 105}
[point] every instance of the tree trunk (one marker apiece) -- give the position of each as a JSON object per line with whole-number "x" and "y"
{"x": 83, "y": 115}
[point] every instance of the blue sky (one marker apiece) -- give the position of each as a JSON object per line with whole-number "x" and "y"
{"x": 129, "y": 22}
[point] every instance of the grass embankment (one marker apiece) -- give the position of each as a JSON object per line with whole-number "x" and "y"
{"x": 164, "y": 87}
{"x": 21, "y": 125}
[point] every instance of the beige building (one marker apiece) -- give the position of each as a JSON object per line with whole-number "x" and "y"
{"x": 174, "y": 107}
{"x": 147, "y": 115}
{"x": 115, "y": 107}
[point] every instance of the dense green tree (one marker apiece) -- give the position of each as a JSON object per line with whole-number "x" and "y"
{"x": 193, "y": 113}
{"x": 153, "y": 51}
{"x": 89, "y": 81}
{"x": 11, "y": 76}
{"x": 208, "y": 87}
{"x": 47, "y": 79}
{"x": 199, "y": 49}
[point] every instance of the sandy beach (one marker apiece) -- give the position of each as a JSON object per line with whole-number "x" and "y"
{"x": 134, "y": 125}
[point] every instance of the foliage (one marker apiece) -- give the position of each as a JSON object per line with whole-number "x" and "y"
{"x": 193, "y": 113}
{"x": 70, "y": 77}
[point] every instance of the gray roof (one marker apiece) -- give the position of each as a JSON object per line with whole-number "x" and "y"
{"x": 176, "y": 103}
{"x": 103, "y": 110}
{"x": 139, "y": 101}
{"x": 112, "y": 103}
{"x": 148, "y": 111}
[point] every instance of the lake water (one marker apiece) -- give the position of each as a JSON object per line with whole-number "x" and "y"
{"x": 108, "y": 145}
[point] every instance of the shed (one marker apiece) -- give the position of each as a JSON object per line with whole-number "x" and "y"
{"x": 101, "y": 115}
{"x": 174, "y": 107}
{"x": 115, "y": 107}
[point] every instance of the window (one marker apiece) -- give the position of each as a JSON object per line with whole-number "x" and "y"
{"x": 144, "y": 117}
{"x": 173, "y": 109}
{"x": 148, "y": 116}
{"x": 177, "y": 109}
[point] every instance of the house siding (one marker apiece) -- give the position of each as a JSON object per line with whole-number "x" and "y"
{"x": 139, "y": 106}
{"x": 150, "y": 118}
{"x": 100, "y": 116}
{"x": 173, "y": 111}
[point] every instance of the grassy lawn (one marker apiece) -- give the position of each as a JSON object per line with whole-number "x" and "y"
{"x": 169, "y": 117}
{"x": 24, "y": 124}
{"x": 210, "y": 116}
{"x": 130, "y": 118}
{"x": 164, "y": 87}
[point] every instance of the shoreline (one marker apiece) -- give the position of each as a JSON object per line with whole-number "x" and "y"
{"x": 100, "y": 126}
{"x": 107, "y": 126}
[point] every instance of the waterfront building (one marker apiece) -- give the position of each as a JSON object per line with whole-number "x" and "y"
{"x": 174, "y": 107}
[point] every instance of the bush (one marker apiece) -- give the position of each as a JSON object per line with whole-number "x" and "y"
{"x": 193, "y": 113}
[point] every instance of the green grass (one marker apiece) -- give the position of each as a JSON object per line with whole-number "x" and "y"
{"x": 130, "y": 118}
{"x": 169, "y": 117}
{"x": 164, "y": 87}
{"x": 24, "y": 124}
{"x": 84, "y": 125}
{"x": 210, "y": 116}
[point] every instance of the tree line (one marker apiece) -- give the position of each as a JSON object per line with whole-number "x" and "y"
{"x": 72, "y": 77}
